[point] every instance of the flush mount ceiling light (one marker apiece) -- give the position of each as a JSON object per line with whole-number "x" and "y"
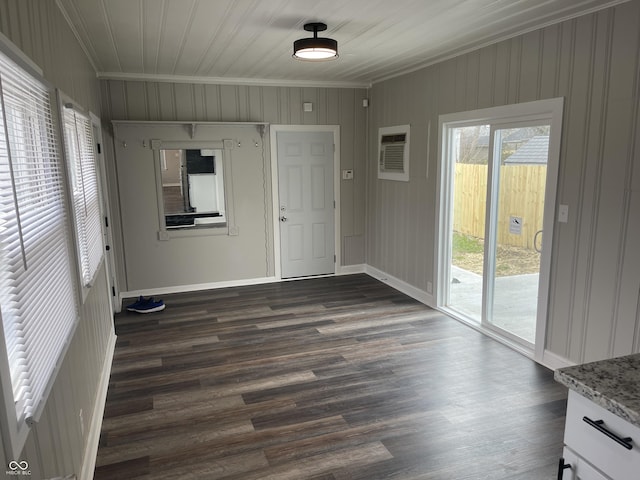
{"x": 316, "y": 48}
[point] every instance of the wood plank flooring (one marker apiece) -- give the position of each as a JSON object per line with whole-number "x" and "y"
{"x": 329, "y": 378}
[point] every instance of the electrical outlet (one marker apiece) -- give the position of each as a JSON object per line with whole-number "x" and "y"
{"x": 429, "y": 287}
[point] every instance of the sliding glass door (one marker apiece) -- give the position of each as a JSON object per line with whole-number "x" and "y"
{"x": 496, "y": 224}
{"x": 516, "y": 216}
{"x": 469, "y": 160}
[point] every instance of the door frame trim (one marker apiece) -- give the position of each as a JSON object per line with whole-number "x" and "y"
{"x": 273, "y": 132}
{"x": 105, "y": 211}
{"x": 551, "y": 109}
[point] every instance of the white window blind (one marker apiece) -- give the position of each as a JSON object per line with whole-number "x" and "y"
{"x": 37, "y": 291}
{"x": 81, "y": 159}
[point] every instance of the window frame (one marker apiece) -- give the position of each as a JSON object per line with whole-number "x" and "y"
{"x": 83, "y": 228}
{"x": 48, "y": 150}
{"x": 226, "y": 228}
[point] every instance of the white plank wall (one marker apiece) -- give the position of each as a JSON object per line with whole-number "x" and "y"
{"x": 56, "y": 446}
{"x": 593, "y": 62}
{"x": 200, "y": 259}
{"x": 152, "y": 101}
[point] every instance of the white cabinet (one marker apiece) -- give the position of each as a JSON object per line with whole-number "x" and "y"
{"x": 598, "y": 444}
{"x": 579, "y": 469}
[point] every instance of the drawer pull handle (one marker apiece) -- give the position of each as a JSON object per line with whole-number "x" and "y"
{"x": 562, "y": 467}
{"x": 599, "y": 425}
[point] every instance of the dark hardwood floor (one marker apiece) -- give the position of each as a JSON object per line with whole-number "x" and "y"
{"x": 329, "y": 378}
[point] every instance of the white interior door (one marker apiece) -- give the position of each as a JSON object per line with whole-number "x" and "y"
{"x": 307, "y": 207}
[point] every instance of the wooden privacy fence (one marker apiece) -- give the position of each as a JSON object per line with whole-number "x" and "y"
{"x": 521, "y": 195}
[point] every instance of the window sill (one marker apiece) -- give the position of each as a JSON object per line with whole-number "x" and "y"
{"x": 193, "y": 231}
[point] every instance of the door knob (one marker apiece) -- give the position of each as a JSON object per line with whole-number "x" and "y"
{"x": 283, "y": 219}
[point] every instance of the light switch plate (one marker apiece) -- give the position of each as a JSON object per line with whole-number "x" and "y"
{"x": 563, "y": 213}
{"x": 347, "y": 174}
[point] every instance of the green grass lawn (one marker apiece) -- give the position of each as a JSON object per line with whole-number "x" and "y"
{"x": 463, "y": 244}
{"x": 468, "y": 253}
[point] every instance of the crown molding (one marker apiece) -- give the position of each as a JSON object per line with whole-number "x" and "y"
{"x": 258, "y": 82}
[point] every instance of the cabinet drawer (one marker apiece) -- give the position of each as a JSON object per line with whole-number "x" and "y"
{"x": 580, "y": 469}
{"x": 591, "y": 441}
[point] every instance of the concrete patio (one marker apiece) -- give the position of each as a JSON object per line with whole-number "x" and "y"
{"x": 515, "y": 300}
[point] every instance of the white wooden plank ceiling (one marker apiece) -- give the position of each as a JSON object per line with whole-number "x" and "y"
{"x": 250, "y": 41}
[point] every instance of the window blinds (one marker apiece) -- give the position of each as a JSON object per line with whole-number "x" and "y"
{"x": 37, "y": 292}
{"x": 81, "y": 160}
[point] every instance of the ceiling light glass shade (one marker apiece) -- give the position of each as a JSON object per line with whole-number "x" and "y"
{"x": 315, "y": 48}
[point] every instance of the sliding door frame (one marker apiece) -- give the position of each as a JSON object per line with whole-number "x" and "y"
{"x": 548, "y": 111}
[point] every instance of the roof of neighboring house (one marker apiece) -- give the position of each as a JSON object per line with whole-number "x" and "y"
{"x": 515, "y": 136}
{"x": 535, "y": 151}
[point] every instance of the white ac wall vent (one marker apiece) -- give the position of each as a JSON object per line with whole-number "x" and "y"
{"x": 393, "y": 153}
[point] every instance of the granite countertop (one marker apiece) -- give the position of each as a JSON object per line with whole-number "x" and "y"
{"x": 613, "y": 384}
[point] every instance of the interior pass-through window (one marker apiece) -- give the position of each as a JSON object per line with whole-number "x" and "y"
{"x": 193, "y": 188}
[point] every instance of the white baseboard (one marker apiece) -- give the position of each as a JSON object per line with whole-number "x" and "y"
{"x": 197, "y": 287}
{"x": 91, "y": 450}
{"x": 342, "y": 270}
{"x": 401, "y": 285}
{"x": 554, "y": 361}
{"x": 351, "y": 269}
